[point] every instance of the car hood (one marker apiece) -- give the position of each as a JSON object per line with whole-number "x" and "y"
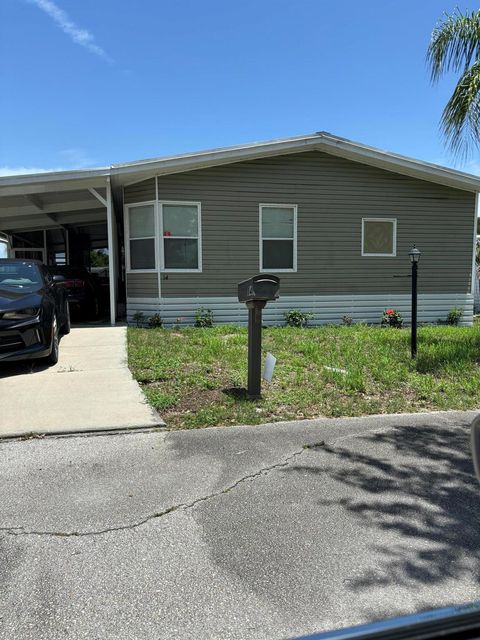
{"x": 12, "y": 299}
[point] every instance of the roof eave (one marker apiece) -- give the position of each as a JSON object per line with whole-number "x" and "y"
{"x": 130, "y": 173}
{"x": 53, "y": 176}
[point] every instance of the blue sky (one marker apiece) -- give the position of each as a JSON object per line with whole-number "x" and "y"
{"x": 92, "y": 82}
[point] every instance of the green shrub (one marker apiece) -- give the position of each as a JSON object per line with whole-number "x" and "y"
{"x": 296, "y": 318}
{"x": 138, "y": 317}
{"x": 392, "y": 318}
{"x": 155, "y": 321}
{"x": 203, "y": 317}
{"x": 454, "y": 315}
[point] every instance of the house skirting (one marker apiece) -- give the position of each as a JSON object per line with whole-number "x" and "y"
{"x": 325, "y": 309}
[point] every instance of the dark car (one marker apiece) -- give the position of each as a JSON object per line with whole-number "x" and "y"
{"x": 82, "y": 290}
{"x": 33, "y": 311}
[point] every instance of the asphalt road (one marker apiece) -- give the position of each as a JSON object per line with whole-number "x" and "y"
{"x": 245, "y": 532}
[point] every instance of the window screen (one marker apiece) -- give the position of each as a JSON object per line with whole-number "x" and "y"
{"x": 378, "y": 237}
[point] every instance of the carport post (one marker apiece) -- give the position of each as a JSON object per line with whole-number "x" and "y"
{"x": 112, "y": 277}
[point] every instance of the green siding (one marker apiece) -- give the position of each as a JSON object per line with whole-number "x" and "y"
{"x": 140, "y": 191}
{"x": 142, "y": 285}
{"x": 332, "y": 194}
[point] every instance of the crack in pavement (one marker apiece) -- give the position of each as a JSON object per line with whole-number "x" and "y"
{"x": 20, "y": 531}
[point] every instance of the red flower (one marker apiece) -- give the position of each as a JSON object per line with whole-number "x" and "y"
{"x": 390, "y": 312}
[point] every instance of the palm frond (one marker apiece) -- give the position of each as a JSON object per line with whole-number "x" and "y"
{"x": 460, "y": 121}
{"x": 454, "y": 44}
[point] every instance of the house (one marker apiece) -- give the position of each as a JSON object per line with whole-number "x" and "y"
{"x": 333, "y": 218}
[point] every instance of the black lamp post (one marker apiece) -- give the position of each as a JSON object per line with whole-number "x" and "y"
{"x": 414, "y": 254}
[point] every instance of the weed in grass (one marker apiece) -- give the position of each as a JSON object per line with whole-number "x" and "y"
{"x": 184, "y": 379}
{"x": 159, "y": 399}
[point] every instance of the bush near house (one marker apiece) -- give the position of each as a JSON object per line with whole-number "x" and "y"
{"x": 155, "y": 321}
{"x": 193, "y": 377}
{"x": 203, "y": 317}
{"x": 392, "y": 318}
{"x": 296, "y": 318}
{"x": 139, "y": 318}
{"x": 454, "y": 315}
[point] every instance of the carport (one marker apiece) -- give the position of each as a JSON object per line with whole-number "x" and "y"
{"x": 54, "y": 216}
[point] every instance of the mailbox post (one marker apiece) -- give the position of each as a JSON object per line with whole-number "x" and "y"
{"x": 256, "y": 292}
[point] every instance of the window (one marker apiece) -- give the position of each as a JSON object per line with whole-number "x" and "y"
{"x": 141, "y": 237}
{"x": 181, "y": 236}
{"x": 379, "y": 237}
{"x": 278, "y": 237}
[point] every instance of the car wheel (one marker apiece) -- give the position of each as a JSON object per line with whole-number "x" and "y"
{"x": 67, "y": 325}
{"x": 53, "y": 357}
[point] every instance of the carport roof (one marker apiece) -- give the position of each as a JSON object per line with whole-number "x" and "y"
{"x": 51, "y": 176}
{"x": 131, "y": 172}
{"x": 40, "y": 201}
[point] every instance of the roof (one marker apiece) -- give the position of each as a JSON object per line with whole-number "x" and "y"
{"x": 130, "y": 172}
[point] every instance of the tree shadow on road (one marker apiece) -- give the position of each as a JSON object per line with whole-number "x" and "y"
{"x": 419, "y": 485}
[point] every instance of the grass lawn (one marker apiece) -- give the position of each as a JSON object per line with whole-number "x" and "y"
{"x": 184, "y": 373}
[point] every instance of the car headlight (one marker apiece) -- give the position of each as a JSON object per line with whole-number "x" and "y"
{"x": 20, "y": 314}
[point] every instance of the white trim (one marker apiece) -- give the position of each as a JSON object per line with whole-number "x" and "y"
{"x": 381, "y": 255}
{"x": 198, "y": 238}
{"x": 95, "y": 193}
{"x": 157, "y": 238}
{"x": 320, "y": 141}
{"x": 126, "y": 220}
{"x": 261, "y": 238}
{"x": 111, "y": 239}
{"x": 475, "y": 226}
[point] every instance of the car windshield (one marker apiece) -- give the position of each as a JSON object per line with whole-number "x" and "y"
{"x": 19, "y": 275}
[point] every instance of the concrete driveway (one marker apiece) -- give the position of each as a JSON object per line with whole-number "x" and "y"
{"x": 90, "y": 388}
{"x": 243, "y": 533}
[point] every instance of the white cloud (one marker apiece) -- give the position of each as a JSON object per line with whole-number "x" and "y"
{"x": 80, "y": 36}
{"x": 77, "y": 158}
{"x": 70, "y": 159}
{"x": 18, "y": 171}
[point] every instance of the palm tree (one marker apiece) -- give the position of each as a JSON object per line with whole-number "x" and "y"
{"x": 455, "y": 46}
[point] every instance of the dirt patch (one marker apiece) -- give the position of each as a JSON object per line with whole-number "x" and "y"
{"x": 196, "y": 399}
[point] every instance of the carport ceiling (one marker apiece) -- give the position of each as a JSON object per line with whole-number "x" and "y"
{"x": 52, "y": 207}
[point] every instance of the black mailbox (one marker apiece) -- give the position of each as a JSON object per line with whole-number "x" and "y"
{"x": 262, "y": 287}
{"x": 256, "y": 292}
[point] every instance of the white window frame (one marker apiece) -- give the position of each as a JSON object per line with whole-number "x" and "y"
{"x": 380, "y": 255}
{"x": 198, "y": 238}
{"x": 261, "y": 238}
{"x": 127, "y": 208}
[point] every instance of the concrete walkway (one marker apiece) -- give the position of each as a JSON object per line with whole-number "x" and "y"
{"x": 91, "y": 388}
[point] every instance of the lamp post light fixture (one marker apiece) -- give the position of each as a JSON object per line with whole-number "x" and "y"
{"x": 414, "y": 255}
